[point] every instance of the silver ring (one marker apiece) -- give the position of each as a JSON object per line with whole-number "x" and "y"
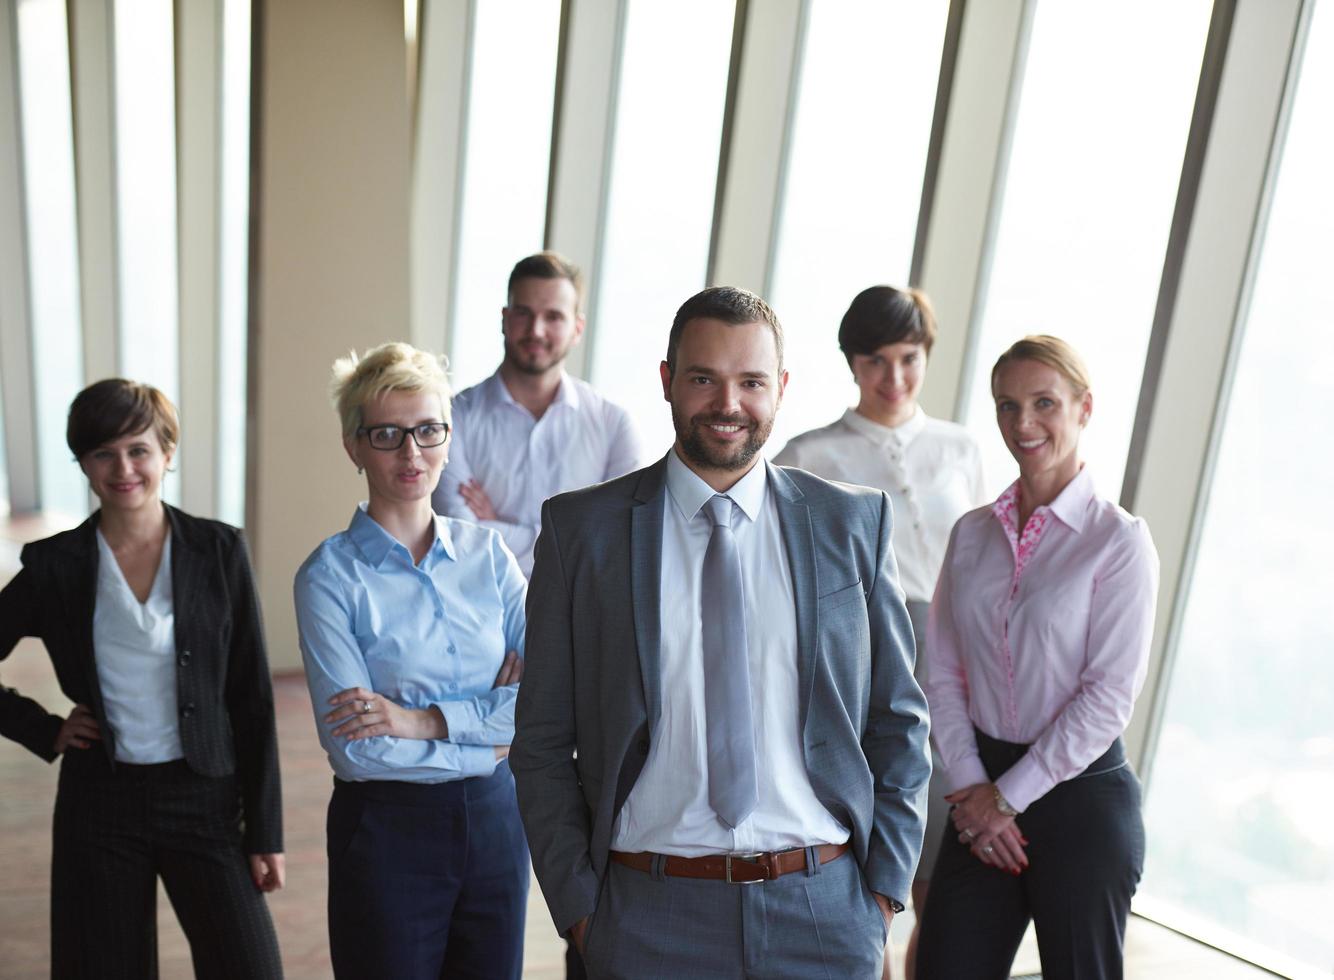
{"x": 970, "y": 832}
{"x": 987, "y": 849}
{"x": 365, "y": 707}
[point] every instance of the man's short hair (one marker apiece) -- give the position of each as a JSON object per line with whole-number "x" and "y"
{"x": 730, "y": 305}
{"x": 547, "y": 265}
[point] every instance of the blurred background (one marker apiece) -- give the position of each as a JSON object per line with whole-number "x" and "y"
{"x": 221, "y": 196}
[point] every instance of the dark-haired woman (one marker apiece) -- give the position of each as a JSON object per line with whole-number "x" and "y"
{"x": 169, "y": 758}
{"x": 930, "y": 468}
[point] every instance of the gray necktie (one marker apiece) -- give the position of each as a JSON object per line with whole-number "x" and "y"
{"x": 733, "y": 789}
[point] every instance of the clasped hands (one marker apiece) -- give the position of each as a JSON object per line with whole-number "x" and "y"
{"x": 993, "y": 837}
{"x": 360, "y": 713}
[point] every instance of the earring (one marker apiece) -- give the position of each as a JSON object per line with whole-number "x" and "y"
{"x": 358, "y": 471}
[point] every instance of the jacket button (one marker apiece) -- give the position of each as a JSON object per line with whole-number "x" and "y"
{"x": 188, "y": 710}
{"x": 643, "y": 746}
{"x": 184, "y": 658}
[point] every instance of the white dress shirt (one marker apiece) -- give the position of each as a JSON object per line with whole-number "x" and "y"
{"x": 520, "y": 461}
{"x": 668, "y": 809}
{"x": 134, "y": 646}
{"x": 1040, "y": 636}
{"x": 930, "y": 468}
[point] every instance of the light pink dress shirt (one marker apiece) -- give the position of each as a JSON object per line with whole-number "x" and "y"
{"x": 1040, "y": 638}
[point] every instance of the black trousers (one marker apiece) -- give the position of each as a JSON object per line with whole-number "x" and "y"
{"x": 115, "y": 833}
{"x": 427, "y": 881}
{"x": 1086, "y": 853}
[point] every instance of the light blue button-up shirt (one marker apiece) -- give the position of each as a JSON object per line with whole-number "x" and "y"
{"x": 419, "y": 635}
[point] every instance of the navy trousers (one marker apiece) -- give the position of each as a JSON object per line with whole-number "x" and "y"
{"x": 1086, "y": 853}
{"x": 115, "y": 833}
{"x": 427, "y": 881}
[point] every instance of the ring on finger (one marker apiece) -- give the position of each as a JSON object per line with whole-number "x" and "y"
{"x": 987, "y": 848}
{"x": 970, "y": 832}
{"x": 366, "y": 707}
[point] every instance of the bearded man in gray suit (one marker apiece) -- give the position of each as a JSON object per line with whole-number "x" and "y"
{"x": 720, "y": 750}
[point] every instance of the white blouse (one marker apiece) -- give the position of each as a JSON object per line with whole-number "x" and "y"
{"x": 134, "y": 645}
{"x": 931, "y": 469}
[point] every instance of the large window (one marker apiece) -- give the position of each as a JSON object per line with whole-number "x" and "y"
{"x": 669, "y": 119}
{"x": 146, "y": 193}
{"x": 1088, "y": 199}
{"x": 1240, "y": 850}
{"x": 52, "y": 240}
{"x": 854, "y": 184}
{"x": 510, "y": 96}
{"x": 234, "y": 259}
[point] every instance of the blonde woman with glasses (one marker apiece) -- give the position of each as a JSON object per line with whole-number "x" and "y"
{"x": 411, "y": 628}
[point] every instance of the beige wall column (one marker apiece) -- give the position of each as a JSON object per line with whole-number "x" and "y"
{"x": 956, "y": 251}
{"x": 92, "y": 80}
{"x": 198, "y": 172}
{"x": 751, "y": 194}
{"x": 581, "y": 145}
{"x": 331, "y": 220}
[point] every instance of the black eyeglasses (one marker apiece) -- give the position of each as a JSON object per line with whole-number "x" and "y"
{"x": 390, "y": 437}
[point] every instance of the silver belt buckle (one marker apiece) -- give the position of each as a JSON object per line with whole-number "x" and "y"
{"x": 744, "y": 857}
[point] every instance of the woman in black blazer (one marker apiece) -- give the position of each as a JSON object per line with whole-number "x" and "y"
{"x": 170, "y": 760}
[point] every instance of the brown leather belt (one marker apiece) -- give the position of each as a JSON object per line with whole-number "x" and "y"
{"x": 739, "y": 869}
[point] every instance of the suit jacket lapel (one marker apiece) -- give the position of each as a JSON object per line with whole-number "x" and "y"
{"x": 189, "y": 572}
{"x": 646, "y": 584}
{"x": 794, "y": 517}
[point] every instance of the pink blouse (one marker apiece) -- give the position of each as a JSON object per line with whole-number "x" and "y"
{"x": 1040, "y": 638}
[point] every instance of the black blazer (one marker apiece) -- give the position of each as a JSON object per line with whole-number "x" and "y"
{"x": 223, "y": 688}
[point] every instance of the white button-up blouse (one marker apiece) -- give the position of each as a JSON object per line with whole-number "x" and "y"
{"x": 930, "y": 468}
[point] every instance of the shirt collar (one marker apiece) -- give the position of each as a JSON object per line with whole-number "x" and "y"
{"x": 1070, "y": 505}
{"x": 567, "y": 394}
{"x": 900, "y": 434}
{"x": 376, "y": 544}
{"x": 690, "y": 493}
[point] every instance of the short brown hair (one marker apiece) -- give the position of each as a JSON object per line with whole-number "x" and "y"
{"x": 547, "y": 265}
{"x": 114, "y": 407}
{"x": 883, "y": 315}
{"x": 1051, "y": 351}
{"x": 730, "y": 305}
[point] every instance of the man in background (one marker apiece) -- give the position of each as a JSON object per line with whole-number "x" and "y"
{"x": 530, "y": 430}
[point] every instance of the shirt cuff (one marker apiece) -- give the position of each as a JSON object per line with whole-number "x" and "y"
{"x": 968, "y": 772}
{"x": 462, "y": 722}
{"x": 1023, "y": 783}
{"x": 477, "y": 760}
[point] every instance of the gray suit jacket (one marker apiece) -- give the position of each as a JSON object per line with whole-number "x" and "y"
{"x": 591, "y": 695}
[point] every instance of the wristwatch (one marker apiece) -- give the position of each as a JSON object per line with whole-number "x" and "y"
{"x": 1003, "y": 805}
{"x": 895, "y": 904}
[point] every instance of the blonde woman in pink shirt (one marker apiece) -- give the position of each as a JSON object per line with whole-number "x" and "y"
{"x": 1038, "y": 640}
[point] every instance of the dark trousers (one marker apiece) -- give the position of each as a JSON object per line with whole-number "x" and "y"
{"x": 427, "y": 881}
{"x": 1085, "y": 852}
{"x": 115, "y": 833}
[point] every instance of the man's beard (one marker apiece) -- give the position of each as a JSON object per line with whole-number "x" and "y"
{"x": 727, "y": 458}
{"x": 537, "y": 362}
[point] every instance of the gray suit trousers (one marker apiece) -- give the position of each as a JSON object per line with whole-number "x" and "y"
{"x": 821, "y": 924}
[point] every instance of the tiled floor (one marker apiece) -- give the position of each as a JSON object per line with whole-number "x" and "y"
{"x": 25, "y": 819}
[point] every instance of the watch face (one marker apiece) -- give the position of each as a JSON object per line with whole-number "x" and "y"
{"x": 896, "y": 905}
